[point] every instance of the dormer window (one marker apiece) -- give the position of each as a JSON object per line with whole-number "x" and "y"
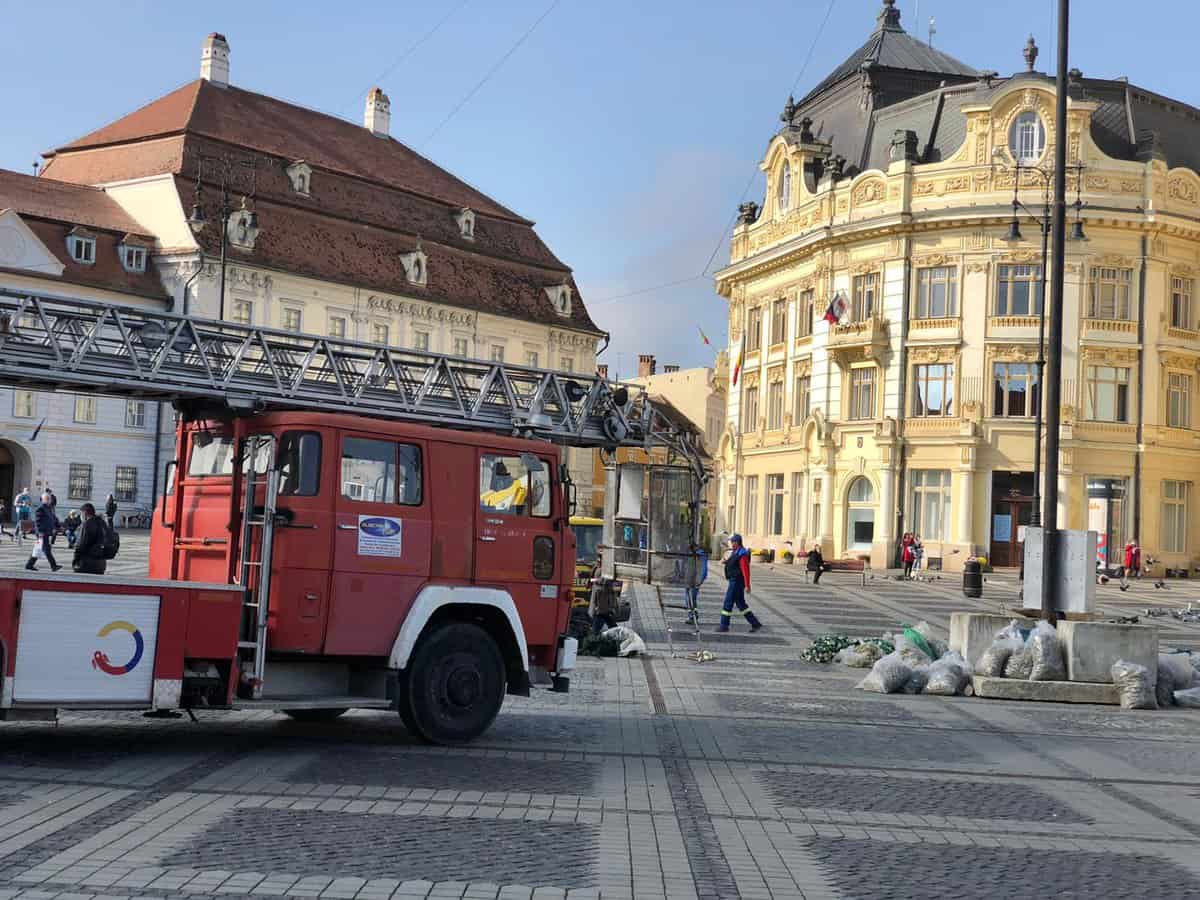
{"x": 243, "y": 229}
{"x": 299, "y": 174}
{"x": 132, "y": 251}
{"x": 416, "y": 266}
{"x": 1027, "y": 138}
{"x": 785, "y": 187}
{"x": 560, "y": 298}
{"x": 133, "y": 259}
{"x": 466, "y": 223}
{"x": 82, "y": 247}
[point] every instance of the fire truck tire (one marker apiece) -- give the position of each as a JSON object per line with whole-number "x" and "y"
{"x": 315, "y": 715}
{"x": 455, "y": 684}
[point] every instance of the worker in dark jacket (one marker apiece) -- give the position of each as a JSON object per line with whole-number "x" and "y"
{"x": 110, "y": 511}
{"x": 44, "y": 524}
{"x": 89, "y": 549}
{"x": 737, "y": 573}
{"x": 816, "y": 563}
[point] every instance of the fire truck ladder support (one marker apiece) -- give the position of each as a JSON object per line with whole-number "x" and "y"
{"x": 49, "y": 342}
{"x": 255, "y": 574}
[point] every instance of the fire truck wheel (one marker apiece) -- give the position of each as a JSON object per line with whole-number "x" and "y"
{"x": 456, "y": 683}
{"x": 314, "y": 715}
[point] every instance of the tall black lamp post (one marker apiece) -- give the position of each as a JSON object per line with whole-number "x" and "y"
{"x": 1046, "y": 176}
{"x": 229, "y": 170}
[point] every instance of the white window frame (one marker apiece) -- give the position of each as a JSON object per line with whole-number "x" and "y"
{"x": 1010, "y": 274}
{"x": 1027, "y": 137}
{"x": 337, "y": 326}
{"x": 242, "y": 311}
{"x": 750, "y": 409}
{"x": 865, "y": 302}
{"x": 292, "y": 319}
{"x": 754, "y": 324}
{"x": 135, "y": 413}
{"x": 861, "y": 393}
{"x": 774, "y": 505}
{"x": 929, "y": 508}
{"x": 784, "y": 194}
{"x": 1107, "y": 386}
{"x": 929, "y": 279}
{"x": 801, "y": 397}
{"x": 804, "y": 313}
{"x": 1179, "y": 400}
{"x": 775, "y": 391}
{"x": 1175, "y": 516}
{"x": 926, "y": 374}
{"x": 86, "y": 409}
{"x": 133, "y": 259}
{"x": 778, "y": 321}
{"x": 82, "y": 249}
{"x": 1032, "y": 389}
{"x": 1110, "y": 297}
{"x": 750, "y": 520}
{"x": 1181, "y": 302}
{"x": 30, "y": 404}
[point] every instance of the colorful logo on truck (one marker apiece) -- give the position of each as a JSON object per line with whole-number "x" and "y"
{"x": 379, "y": 527}
{"x": 100, "y": 658}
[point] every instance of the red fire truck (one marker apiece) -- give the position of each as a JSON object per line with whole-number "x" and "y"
{"x": 343, "y": 525}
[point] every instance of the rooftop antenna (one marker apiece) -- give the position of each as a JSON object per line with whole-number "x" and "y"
{"x": 932, "y": 29}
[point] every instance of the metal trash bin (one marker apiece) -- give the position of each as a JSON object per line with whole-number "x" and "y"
{"x": 972, "y": 579}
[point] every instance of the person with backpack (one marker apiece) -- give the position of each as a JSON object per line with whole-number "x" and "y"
{"x": 91, "y": 547}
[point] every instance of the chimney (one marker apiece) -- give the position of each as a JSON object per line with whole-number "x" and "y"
{"x": 602, "y": 370}
{"x": 646, "y": 365}
{"x": 667, "y": 370}
{"x": 214, "y": 60}
{"x": 378, "y": 117}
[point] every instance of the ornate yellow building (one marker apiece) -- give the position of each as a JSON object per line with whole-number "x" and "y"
{"x": 889, "y": 193}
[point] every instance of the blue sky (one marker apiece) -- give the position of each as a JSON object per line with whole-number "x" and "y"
{"x": 627, "y": 130}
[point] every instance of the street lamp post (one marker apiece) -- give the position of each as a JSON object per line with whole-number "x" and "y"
{"x": 1014, "y": 236}
{"x": 228, "y": 168}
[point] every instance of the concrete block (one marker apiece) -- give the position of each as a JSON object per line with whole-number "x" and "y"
{"x": 1045, "y": 691}
{"x": 1092, "y": 647}
{"x": 972, "y": 633}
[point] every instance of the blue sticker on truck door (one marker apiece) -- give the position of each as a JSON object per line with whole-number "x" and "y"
{"x": 379, "y": 536}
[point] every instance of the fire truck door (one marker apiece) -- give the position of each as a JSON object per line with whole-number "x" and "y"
{"x": 303, "y": 545}
{"x": 518, "y": 535}
{"x": 382, "y": 541}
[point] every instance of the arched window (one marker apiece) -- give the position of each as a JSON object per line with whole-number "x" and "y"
{"x": 861, "y": 491}
{"x": 785, "y": 187}
{"x": 860, "y": 515}
{"x": 1027, "y": 137}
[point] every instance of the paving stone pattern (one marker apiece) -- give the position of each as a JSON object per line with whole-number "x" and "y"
{"x": 753, "y": 775}
{"x": 408, "y": 848}
{"x": 917, "y": 796}
{"x": 372, "y": 766}
{"x": 875, "y": 869}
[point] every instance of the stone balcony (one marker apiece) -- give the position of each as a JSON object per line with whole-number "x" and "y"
{"x": 851, "y": 342}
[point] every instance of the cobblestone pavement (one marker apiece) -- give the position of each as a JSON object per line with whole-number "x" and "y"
{"x": 752, "y": 775}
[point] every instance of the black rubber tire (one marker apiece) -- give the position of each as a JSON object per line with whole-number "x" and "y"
{"x": 315, "y": 715}
{"x": 456, "y": 684}
{"x": 404, "y": 705}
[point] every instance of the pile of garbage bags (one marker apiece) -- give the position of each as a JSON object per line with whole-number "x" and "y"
{"x": 917, "y": 663}
{"x": 620, "y": 640}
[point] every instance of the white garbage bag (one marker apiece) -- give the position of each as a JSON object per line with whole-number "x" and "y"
{"x": 631, "y": 642}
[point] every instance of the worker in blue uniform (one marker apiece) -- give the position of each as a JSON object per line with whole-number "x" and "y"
{"x": 737, "y": 573}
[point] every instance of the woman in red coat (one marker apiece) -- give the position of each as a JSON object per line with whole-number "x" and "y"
{"x": 907, "y": 554}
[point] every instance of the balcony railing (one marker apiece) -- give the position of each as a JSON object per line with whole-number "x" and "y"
{"x": 864, "y": 339}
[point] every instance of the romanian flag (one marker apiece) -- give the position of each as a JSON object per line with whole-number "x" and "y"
{"x": 837, "y": 309}
{"x": 737, "y": 362}
{"x": 703, "y": 336}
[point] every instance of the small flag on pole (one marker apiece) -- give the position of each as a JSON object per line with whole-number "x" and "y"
{"x": 737, "y": 362}
{"x": 37, "y": 431}
{"x": 837, "y": 309}
{"x": 703, "y": 336}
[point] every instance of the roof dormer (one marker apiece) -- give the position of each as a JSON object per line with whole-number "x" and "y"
{"x": 560, "y": 298}
{"x": 134, "y": 252}
{"x": 465, "y": 218}
{"x": 81, "y": 246}
{"x": 299, "y": 174}
{"x": 416, "y": 266}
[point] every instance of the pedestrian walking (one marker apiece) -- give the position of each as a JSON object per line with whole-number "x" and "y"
{"x": 89, "y": 549}
{"x": 44, "y": 524}
{"x": 4, "y": 514}
{"x": 24, "y": 506}
{"x": 691, "y": 595}
{"x": 816, "y": 563}
{"x": 110, "y": 511}
{"x": 906, "y": 554}
{"x": 737, "y": 573}
{"x": 54, "y": 511}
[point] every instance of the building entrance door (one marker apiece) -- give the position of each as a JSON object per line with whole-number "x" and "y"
{"x": 8, "y": 473}
{"x": 1012, "y": 510}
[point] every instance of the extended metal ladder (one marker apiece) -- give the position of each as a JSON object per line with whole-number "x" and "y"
{"x": 50, "y": 342}
{"x": 255, "y": 574}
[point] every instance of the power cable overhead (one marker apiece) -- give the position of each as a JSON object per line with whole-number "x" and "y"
{"x": 412, "y": 48}
{"x": 490, "y": 72}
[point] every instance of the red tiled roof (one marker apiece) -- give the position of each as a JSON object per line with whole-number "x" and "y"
{"x": 64, "y": 202}
{"x": 371, "y": 199}
{"x": 290, "y": 132}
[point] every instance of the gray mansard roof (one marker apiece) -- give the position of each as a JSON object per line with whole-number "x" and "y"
{"x": 895, "y": 82}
